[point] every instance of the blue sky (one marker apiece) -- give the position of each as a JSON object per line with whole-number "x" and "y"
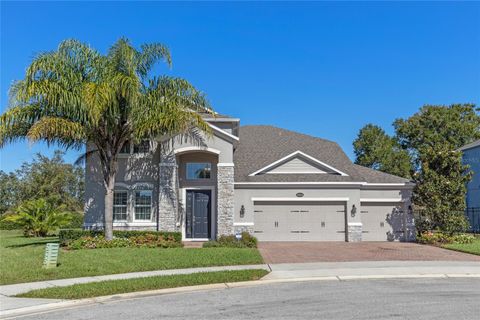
{"x": 325, "y": 69}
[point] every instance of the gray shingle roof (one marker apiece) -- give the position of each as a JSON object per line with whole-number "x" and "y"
{"x": 215, "y": 115}
{"x": 261, "y": 145}
{"x": 470, "y": 145}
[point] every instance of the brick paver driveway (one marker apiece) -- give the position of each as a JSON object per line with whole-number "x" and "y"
{"x": 298, "y": 252}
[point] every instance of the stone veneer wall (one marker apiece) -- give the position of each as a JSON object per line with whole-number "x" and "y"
{"x": 354, "y": 232}
{"x": 225, "y": 200}
{"x": 168, "y": 200}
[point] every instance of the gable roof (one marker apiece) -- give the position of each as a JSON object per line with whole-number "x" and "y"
{"x": 297, "y": 154}
{"x": 470, "y": 145}
{"x": 261, "y": 146}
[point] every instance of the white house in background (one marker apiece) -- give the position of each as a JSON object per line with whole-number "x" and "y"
{"x": 276, "y": 184}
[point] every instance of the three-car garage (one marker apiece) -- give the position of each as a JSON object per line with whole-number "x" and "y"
{"x": 326, "y": 220}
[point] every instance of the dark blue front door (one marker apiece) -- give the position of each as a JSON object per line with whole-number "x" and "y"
{"x": 198, "y": 212}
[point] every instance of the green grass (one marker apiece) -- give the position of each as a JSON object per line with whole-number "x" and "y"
{"x": 21, "y": 259}
{"x": 473, "y": 248}
{"x": 104, "y": 288}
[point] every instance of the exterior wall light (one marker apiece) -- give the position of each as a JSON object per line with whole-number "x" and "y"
{"x": 242, "y": 211}
{"x": 354, "y": 211}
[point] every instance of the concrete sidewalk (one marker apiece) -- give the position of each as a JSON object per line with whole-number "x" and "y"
{"x": 372, "y": 269}
{"x": 15, "y": 289}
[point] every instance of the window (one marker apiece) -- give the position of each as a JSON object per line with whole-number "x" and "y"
{"x": 143, "y": 204}
{"x": 142, "y": 147}
{"x": 120, "y": 205}
{"x": 125, "y": 148}
{"x": 196, "y": 171}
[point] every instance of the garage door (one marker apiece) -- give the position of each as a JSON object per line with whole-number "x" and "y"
{"x": 300, "y": 221}
{"x": 382, "y": 221}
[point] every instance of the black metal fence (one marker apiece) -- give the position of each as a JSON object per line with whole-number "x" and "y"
{"x": 473, "y": 215}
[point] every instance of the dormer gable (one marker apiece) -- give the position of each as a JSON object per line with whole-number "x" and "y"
{"x": 298, "y": 162}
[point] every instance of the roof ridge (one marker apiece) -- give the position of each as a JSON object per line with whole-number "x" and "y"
{"x": 288, "y": 130}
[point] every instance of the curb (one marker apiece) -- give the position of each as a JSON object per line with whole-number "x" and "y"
{"x": 68, "y": 304}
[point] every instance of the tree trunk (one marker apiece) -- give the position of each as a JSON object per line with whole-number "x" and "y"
{"x": 108, "y": 215}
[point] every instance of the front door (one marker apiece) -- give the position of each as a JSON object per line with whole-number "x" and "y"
{"x": 198, "y": 212}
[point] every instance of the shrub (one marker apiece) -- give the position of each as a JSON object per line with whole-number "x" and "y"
{"x": 230, "y": 241}
{"x": 39, "y": 218}
{"x": 440, "y": 238}
{"x": 8, "y": 225}
{"x": 76, "y": 222}
{"x": 450, "y": 222}
{"x": 149, "y": 240}
{"x": 463, "y": 238}
{"x": 66, "y": 236}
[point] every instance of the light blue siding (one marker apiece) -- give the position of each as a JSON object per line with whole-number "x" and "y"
{"x": 472, "y": 158}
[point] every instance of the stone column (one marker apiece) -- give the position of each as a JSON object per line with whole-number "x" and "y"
{"x": 168, "y": 198}
{"x": 355, "y": 231}
{"x": 354, "y": 217}
{"x": 225, "y": 200}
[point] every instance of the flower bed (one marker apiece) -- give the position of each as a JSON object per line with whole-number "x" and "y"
{"x": 440, "y": 238}
{"x": 66, "y": 236}
{"x": 148, "y": 240}
{"x": 246, "y": 241}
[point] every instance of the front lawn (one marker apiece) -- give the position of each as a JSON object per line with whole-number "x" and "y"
{"x": 104, "y": 288}
{"x": 21, "y": 259}
{"x": 473, "y": 248}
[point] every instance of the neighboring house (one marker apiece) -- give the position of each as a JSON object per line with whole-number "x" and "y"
{"x": 277, "y": 184}
{"x": 471, "y": 157}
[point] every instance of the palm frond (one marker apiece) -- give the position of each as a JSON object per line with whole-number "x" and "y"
{"x": 151, "y": 54}
{"x": 66, "y": 133}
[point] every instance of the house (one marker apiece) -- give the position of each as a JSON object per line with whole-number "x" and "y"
{"x": 277, "y": 184}
{"x": 471, "y": 157}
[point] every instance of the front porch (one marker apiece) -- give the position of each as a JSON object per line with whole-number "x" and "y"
{"x": 196, "y": 195}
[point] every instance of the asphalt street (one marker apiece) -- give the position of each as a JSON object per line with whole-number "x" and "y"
{"x": 421, "y": 298}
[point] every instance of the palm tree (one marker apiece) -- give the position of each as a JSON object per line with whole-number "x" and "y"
{"x": 75, "y": 95}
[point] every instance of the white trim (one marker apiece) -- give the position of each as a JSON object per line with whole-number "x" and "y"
{"x": 225, "y": 164}
{"x": 300, "y": 199}
{"x": 213, "y": 212}
{"x": 354, "y": 224}
{"x": 196, "y": 239}
{"x": 134, "y": 219}
{"x": 189, "y": 149}
{"x": 298, "y": 172}
{"x": 298, "y": 152}
{"x": 123, "y": 224}
{"x": 382, "y": 200}
{"x": 328, "y": 183}
{"x": 215, "y": 128}
{"x": 222, "y": 119}
{"x": 388, "y": 184}
{"x": 304, "y": 183}
{"x": 243, "y": 224}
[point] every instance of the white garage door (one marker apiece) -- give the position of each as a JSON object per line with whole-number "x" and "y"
{"x": 382, "y": 221}
{"x": 300, "y": 221}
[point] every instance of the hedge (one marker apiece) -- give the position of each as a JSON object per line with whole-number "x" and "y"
{"x": 67, "y": 235}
